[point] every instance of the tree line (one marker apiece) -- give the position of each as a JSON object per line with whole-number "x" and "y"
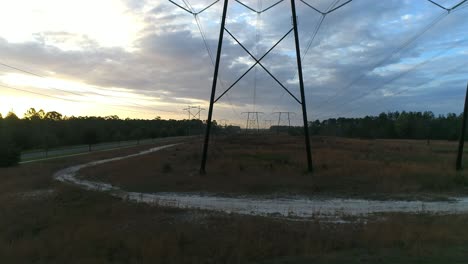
{"x": 40, "y": 130}
{"x": 44, "y": 130}
{"x": 392, "y": 125}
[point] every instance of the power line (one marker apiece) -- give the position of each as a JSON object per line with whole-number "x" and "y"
{"x": 78, "y": 94}
{"x": 207, "y": 46}
{"x": 450, "y": 70}
{"x": 403, "y": 73}
{"x": 384, "y": 60}
{"x": 314, "y": 34}
{"x": 398, "y": 49}
{"x": 65, "y": 99}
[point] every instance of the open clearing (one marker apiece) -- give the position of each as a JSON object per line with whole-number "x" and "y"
{"x": 275, "y": 166}
{"x": 291, "y": 207}
{"x": 45, "y": 221}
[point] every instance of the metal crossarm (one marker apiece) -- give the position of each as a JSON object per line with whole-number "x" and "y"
{"x": 203, "y": 10}
{"x": 330, "y": 11}
{"x": 259, "y": 11}
{"x": 242, "y": 76}
{"x": 261, "y": 65}
{"x": 246, "y": 6}
{"x": 192, "y": 12}
{"x": 448, "y": 9}
{"x": 183, "y": 8}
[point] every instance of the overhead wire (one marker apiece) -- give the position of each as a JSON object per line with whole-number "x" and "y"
{"x": 208, "y": 49}
{"x": 66, "y": 99}
{"x": 385, "y": 59}
{"x": 257, "y": 40}
{"x": 401, "y": 74}
{"x": 404, "y": 73}
{"x": 398, "y": 50}
{"x": 79, "y": 94}
{"x": 311, "y": 40}
{"x": 451, "y": 70}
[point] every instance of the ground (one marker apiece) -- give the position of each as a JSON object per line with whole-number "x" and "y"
{"x": 265, "y": 165}
{"x": 44, "y": 221}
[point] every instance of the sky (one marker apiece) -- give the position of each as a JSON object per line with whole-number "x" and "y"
{"x": 147, "y": 58}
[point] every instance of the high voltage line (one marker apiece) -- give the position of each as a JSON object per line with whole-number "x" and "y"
{"x": 315, "y": 32}
{"x": 78, "y": 94}
{"x": 396, "y": 51}
{"x": 67, "y": 99}
{"x": 192, "y": 11}
{"x": 401, "y": 74}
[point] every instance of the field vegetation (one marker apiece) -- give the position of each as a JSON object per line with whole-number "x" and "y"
{"x": 45, "y": 221}
{"x": 276, "y": 165}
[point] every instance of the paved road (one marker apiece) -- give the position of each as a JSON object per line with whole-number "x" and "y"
{"x": 81, "y": 149}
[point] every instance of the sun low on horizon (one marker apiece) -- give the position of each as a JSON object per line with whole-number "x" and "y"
{"x": 143, "y": 59}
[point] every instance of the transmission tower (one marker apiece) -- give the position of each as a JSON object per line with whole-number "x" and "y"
{"x": 194, "y": 112}
{"x": 288, "y": 114}
{"x": 252, "y": 121}
{"x": 223, "y": 122}
{"x": 267, "y": 123}
{"x": 258, "y": 62}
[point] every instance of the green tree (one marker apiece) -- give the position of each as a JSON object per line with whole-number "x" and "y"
{"x": 9, "y": 154}
{"x": 90, "y": 138}
{"x": 53, "y": 115}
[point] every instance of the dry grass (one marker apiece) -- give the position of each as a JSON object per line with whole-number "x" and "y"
{"x": 70, "y": 225}
{"x": 265, "y": 165}
{"x": 74, "y": 226}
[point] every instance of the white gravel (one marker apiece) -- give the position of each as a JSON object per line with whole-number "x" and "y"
{"x": 285, "y": 207}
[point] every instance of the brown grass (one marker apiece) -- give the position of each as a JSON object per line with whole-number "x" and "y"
{"x": 75, "y": 226}
{"x": 265, "y": 165}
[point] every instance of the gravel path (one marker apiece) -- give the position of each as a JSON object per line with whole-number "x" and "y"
{"x": 289, "y": 207}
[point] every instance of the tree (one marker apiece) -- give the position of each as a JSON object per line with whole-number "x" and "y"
{"x": 32, "y": 114}
{"x": 10, "y": 155}
{"x": 90, "y": 138}
{"x": 11, "y": 116}
{"x": 54, "y": 116}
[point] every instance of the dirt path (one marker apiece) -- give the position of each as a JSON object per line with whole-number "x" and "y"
{"x": 291, "y": 207}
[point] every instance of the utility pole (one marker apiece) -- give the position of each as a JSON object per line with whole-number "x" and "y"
{"x": 462, "y": 134}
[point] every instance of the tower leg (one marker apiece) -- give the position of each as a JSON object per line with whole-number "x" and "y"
{"x": 213, "y": 89}
{"x": 462, "y": 133}
{"x": 301, "y": 85}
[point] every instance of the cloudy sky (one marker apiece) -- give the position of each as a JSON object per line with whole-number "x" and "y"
{"x": 147, "y": 58}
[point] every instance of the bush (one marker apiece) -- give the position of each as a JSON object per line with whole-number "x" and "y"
{"x": 9, "y": 154}
{"x": 166, "y": 168}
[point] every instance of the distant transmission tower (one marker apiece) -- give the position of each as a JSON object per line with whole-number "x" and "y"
{"x": 288, "y": 114}
{"x": 267, "y": 123}
{"x": 252, "y": 121}
{"x": 194, "y": 112}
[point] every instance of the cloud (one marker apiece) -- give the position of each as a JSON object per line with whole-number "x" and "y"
{"x": 169, "y": 60}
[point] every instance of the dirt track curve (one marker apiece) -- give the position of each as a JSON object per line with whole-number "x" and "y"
{"x": 287, "y": 207}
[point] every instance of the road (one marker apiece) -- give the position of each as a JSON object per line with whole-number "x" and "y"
{"x": 331, "y": 209}
{"x": 31, "y": 156}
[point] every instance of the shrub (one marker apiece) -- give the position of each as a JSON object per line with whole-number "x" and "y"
{"x": 166, "y": 168}
{"x": 9, "y": 154}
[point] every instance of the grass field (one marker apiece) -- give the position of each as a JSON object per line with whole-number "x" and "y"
{"x": 276, "y": 165}
{"x": 44, "y": 221}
